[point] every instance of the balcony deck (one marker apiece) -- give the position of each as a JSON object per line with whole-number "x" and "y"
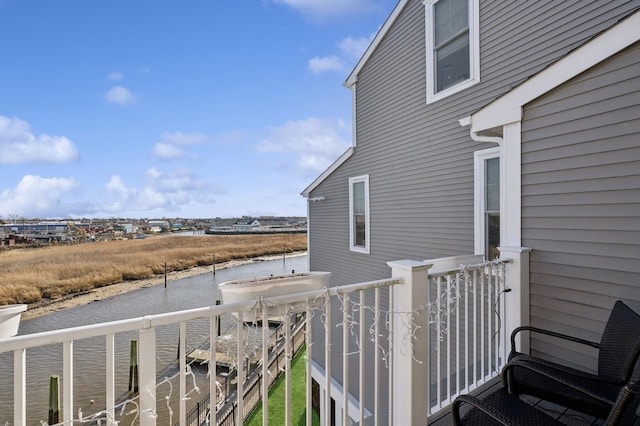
{"x": 564, "y": 415}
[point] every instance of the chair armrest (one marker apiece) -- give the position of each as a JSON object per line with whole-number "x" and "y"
{"x": 549, "y": 373}
{"x": 485, "y": 408}
{"x": 549, "y": 333}
{"x": 558, "y": 367}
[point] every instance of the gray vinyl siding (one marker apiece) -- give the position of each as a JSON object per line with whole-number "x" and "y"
{"x": 418, "y": 157}
{"x": 581, "y": 202}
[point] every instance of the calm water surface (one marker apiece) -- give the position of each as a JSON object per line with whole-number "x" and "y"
{"x": 89, "y": 359}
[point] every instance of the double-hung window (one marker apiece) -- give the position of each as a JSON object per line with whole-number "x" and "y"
{"x": 359, "y": 214}
{"x": 452, "y": 35}
{"x": 487, "y": 203}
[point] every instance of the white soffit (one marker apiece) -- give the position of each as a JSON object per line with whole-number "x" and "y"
{"x": 508, "y": 108}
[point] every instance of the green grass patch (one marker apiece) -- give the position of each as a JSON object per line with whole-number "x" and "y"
{"x": 277, "y": 397}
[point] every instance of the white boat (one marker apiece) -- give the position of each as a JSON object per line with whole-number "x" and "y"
{"x": 10, "y": 319}
{"x": 245, "y": 290}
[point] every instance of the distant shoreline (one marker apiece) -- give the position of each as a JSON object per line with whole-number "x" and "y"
{"x": 42, "y": 308}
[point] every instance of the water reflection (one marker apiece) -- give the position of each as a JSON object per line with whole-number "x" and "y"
{"x": 89, "y": 358}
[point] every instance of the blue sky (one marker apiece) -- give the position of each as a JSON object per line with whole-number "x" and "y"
{"x": 183, "y": 108}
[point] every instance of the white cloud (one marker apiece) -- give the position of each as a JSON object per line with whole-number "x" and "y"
{"x": 117, "y": 185}
{"x": 167, "y": 151}
{"x": 321, "y": 9}
{"x": 115, "y": 76}
{"x": 315, "y": 142}
{"x": 120, "y": 95}
{"x": 129, "y": 199}
{"x": 170, "y": 146}
{"x": 354, "y": 48}
{"x": 18, "y": 144}
{"x": 162, "y": 191}
{"x": 148, "y": 199}
{"x": 180, "y": 179}
{"x": 184, "y": 139}
{"x": 328, "y": 63}
{"x": 350, "y": 49}
{"x": 35, "y": 196}
{"x": 153, "y": 173}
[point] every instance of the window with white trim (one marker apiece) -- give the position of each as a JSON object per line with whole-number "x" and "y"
{"x": 487, "y": 202}
{"x": 453, "y": 46}
{"x": 359, "y": 214}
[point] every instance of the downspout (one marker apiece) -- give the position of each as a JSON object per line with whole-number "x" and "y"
{"x": 477, "y": 137}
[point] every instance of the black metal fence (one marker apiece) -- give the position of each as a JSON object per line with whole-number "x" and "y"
{"x": 198, "y": 414}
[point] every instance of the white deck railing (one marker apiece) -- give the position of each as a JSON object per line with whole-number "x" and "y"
{"x": 444, "y": 331}
{"x": 466, "y": 327}
{"x": 143, "y": 408}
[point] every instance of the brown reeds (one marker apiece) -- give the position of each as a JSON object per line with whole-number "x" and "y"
{"x": 30, "y": 275}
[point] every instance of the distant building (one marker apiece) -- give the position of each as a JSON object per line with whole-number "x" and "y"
{"x": 158, "y": 225}
{"x": 126, "y": 228}
{"x": 245, "y": 225}
{"x": 41, "y": 228}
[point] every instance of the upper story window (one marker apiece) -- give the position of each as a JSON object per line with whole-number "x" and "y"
{"x": 359, "y": 214}
{"x": 453, "y": 48}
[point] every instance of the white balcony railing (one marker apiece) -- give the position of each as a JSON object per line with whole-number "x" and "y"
{"x": 444, "y": 330}
{"x": 466, "y": 326}
{"x": 144, "y": 406}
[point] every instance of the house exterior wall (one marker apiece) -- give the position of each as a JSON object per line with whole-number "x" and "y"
{"x": 581, "y": 202}
{"x": 418, "y": 157}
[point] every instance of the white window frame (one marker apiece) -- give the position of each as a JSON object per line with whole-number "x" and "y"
{"x": 366, "y": 248}
{"x": 479, "y": 179}
{"x": 474, "y": 51}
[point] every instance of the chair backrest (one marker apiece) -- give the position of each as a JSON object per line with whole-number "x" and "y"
{"x": 624, "y": 410}
{"x": 620, "y": 344}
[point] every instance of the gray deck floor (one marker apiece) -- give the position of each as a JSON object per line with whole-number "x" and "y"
{"x": 568, "y": 417}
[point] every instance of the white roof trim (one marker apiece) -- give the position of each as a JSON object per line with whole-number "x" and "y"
{"x": 508, "y": 108}
{"x": 353, "y": 77}
{"x": 344, "y": 157}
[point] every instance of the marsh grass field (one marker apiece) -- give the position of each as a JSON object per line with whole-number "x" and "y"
{"x": 48, "y": 273}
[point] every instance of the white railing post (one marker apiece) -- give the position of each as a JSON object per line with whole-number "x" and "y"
{"x": 288, "y": 351}
{"x": 518, "y": 298}
{"x": 67, "y": 382}
{"x": 147, "y": 376}
{"x": 182, "y": 364}
{"x": 240, "y": 373}
{"x": 410, "y": 345}
{"x": 214, "y": 325}
{"x": 265, "y": 365}
{"x": 20, "y": 386}
{"x": 110, "y": 374}
{"x": 308, "y": 339}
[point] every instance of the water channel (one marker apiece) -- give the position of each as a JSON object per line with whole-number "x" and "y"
{"x": 89, "y": 354}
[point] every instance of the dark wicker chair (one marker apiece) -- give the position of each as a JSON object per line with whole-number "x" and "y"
{"x": 503, "y": 408}
{"x": 593, "y": 394}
